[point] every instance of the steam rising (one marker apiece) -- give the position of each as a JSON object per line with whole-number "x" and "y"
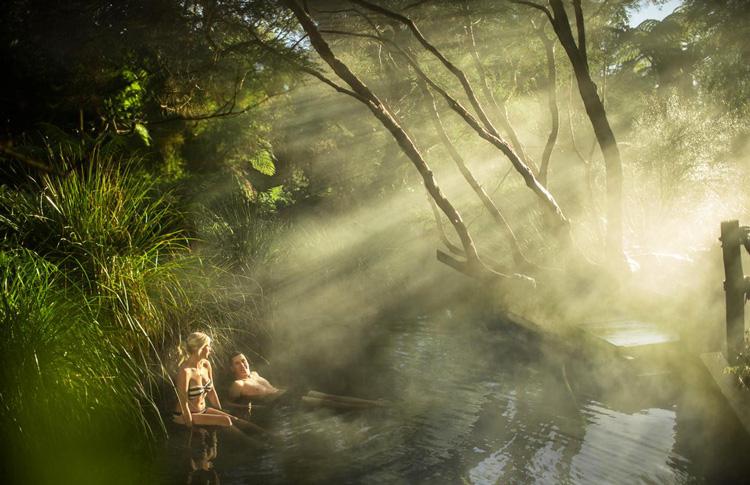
{"x": 363, "y": 259}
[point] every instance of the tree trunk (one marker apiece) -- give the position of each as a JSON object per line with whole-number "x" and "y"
{"x": 499, "y": 109}
{"x": 549, "y": 49}
{"x": 518, "y": 256}
{"x": 367, "y": 97}
{"x": 561, "y": 224}
{"x": 598, "y": 117}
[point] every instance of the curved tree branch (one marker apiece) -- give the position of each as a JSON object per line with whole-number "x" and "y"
{"x": 379, "y": 110}
{"x": 214, "y": 115}
{"x": 541, "y": 8}
{"x": 458, "y": 73}
{"x": 441, "y": 229}
{"x": 497, "y": 216}
{"x": 548, "y": 201}
{"x": 549, "y": 49}
{"x": 500, "y": 111}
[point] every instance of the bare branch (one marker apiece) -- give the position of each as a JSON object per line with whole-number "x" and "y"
{"x": 327, "y": 81}
{"x": 501, "y": 112}
{"x": 441, "y": 229}
{"x": 458, "y": 73}
{"x": 387, "y": 119}
{"x": 549, "y": 50}
{"x": 304, "y": 68}
{"x": 415, "y": 4}
{"x": 217, "y": 114}
{"x": 497, "y": 216}
{"x": 541, "y": 8}
{"x": 542, "y": 193}
{"x": 485, "y": 274}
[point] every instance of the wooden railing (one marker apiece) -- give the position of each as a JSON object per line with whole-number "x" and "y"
{"x": 736, "y": 285}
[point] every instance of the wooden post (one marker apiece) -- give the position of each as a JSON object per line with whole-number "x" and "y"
{"x": 734, "y": 288}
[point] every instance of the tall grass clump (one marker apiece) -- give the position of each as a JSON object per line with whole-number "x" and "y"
{"x": 65, "y": 390}
{"x": 94, "y": 268}
{"x": 238, "y": 234}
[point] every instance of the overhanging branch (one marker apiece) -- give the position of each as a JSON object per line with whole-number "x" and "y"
{"x": 541, "y": 8}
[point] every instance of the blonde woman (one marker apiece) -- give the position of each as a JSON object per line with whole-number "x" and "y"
{"x": 195, "y": 385}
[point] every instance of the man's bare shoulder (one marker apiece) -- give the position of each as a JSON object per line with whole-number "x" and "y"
{"x": 235, "y": 389}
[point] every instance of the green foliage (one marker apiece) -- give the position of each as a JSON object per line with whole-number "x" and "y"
{"x": 95, "y": 292}
{"x": 66, "y": 373}
{"x": 59, "y": 359}
{"x": 263, "y": 163}
{"x": 237, "y": 233}
{"x": 88, "y": 217}
{"x": 274, "y": 197}
{"x": 142, "y": 133}
{"x": 678, "y": 143}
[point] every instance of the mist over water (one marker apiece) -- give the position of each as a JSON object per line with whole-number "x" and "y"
{"x": 171, "y": 169}
{"x": 361, "y": 307}
{"x": 478, "y": 403}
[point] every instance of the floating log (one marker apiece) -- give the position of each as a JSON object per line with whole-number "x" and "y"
{"x": 349, "y": 399}
{"x": 330, "y": 403}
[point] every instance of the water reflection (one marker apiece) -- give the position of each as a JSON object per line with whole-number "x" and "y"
{"x": 476, "y": 406}
{"x": 620, "y": 447}
{"x": 203, "y": 448}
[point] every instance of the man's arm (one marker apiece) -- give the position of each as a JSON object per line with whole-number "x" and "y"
{"x": 235, "y": 391}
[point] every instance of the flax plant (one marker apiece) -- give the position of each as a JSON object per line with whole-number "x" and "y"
{"x": 93, "y": 295}
{"x": 100, "y": 282}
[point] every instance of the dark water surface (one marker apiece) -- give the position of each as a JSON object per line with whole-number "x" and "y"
{"x": 472, "y": 405}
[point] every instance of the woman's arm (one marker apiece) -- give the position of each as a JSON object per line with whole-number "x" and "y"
{"x": 183, "y": 381}
{"x": 213, "y": 397}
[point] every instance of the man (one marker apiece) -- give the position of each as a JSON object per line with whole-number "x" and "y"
{"x": 249, "y": 384}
